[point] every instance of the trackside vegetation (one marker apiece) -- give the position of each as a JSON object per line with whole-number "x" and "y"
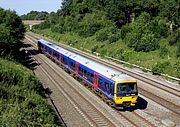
{"x": 22, "y": 97}
{"x": 22, "y": 100}
{"x": 141, "y": 32}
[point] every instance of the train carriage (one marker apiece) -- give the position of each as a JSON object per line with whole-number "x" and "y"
{"x": 119, "y": 88}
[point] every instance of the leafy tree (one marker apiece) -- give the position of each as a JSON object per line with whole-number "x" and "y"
{"x": 147, "y": 43}
{"x": 139, "y": 36}
{"x": 143, "y": 23}
{"x": 91, "y": 23}
{"x": 116, "y": 12}
{"x": 12, "y": 30}
{"x": 35, "y": 15}
{"x": 41, "y": 15}
{"x": 169, "y": 9}
{"x": 65, "y": 8}
{"x": 5, "y": 36}
{"x": 174, "y": 37}
{"x": 159, "y": 27}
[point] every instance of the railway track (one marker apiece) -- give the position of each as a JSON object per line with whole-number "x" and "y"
{"x": 84, "y": 107}
{"x": 175, "y": 108}
{"x": 162, "y": 101}
{"x": 95, "y": 116}
{"x": 153, "y": 82}
{"x": 131, "y": 119}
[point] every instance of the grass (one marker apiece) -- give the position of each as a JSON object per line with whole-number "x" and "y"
{"x": 120, "y": 51}
{"x": 22, "y": 98}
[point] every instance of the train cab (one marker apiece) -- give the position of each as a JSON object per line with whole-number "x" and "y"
{"x": 126, "y": 93}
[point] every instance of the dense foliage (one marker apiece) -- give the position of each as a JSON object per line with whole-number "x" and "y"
{"x": 143, "y": 22}
{"x": 11, "y": 30}
{"x": 22, "y": 97}
{"x": 35, "y": 15}
{"x": 137, "y": 27}
{"x": 22, "y": 101}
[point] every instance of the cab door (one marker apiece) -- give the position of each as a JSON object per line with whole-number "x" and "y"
{"x": 95, "y": 85}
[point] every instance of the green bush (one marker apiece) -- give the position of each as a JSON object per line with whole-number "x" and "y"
{"x": 94, "y": 49}
{"x": 176, "y": 67}
{"x": 57, "y": 28}
{"x": 174, "y": 37}
{"x": 140, "y": 37}
{"x": 163, "y": 51}
{"x": 22, "y": 98}
{"x": 102, "y": 37}
{"x": 147, "y": 43}
{"x": 124, "y": 30}
{"x": 114, "y": 38}
{"x": 160, "y": 67}
{"x": 90, "y": 30}
{"x": 43, "y": 25}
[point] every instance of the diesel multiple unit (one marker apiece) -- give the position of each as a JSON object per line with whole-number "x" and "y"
{"x": 120, "y": 89}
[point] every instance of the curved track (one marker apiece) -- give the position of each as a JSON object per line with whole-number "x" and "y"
{"x": 96, "y": 118}
{"x": 176, "y": 92}
{"x": 153, "y": 82}
{"x": 90, "y": 113}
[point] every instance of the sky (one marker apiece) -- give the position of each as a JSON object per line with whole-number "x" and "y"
{"x": 25, "y": 6}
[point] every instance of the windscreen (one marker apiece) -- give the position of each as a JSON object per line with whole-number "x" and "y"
{"x": 127, "y": 88}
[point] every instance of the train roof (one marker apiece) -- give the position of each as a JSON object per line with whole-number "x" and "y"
{"x": 99, "y": 68}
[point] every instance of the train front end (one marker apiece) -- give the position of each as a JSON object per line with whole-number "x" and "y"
{"x": 126, "y": 93}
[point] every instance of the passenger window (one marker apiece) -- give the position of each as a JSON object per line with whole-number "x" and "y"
{"x": 63, "y": 60}
{"x": 70, "y": 64}
{"x": 100, "y": 82}
{"x": 91, "y": 77}
{"x": 88, "y": 74}
{"x": 85, "y": 72}
{"x": 79, "y": 68}
{"x": 49, "y": 51}
{"x": 56, "y": 55}
{"x": 111, "y": 88}
{"x": 106, "y": 86}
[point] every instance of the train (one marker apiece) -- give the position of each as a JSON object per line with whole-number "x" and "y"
{"x": 116, "y": 88}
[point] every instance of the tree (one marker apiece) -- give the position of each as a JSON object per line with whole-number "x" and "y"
{"x": 169, "y": 9}
{"x": 139, "y": 35}
{"x": 35, "y": 15}
{"x": 12, "y": 30}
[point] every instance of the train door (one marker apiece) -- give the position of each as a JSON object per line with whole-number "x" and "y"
{"x": 59, "y": 58}
{"x": 52, "y": 53}
{"x": 110, "y": 92}
{"x": 44, "y": 48}
{"x": 77, "y": 68}
{"x": 95, "y": 81}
